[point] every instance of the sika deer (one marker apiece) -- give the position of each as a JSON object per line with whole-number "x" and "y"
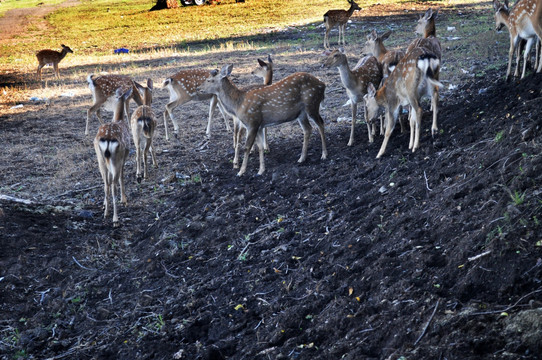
{"x": 182, "y": 89}
{"x": 355, "y": 82}
{"x": 51, "y": 57}
{"x": 338, "y": 17}
{"x": 112, "y": 145}
{"x": 143, "y": 124}
{"x": 524, "y": 21}
{"x": 297, "y": 96}
{"x": 375, "y": 46}
{"x": 426, "y": 28}
{"x": 103, "y": 90}
{"x": 413, "y": 77}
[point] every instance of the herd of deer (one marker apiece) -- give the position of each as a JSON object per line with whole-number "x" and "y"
{"x": 382, "y": 80}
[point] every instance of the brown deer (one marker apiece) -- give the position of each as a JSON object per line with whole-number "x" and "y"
{"x": 264, "y": 70}
{"x": 375, "y": 46}
{"x": 524, "y": 21}
{"x": 51, "y": 57}
{"x": 426, "y": 27}
{"x": 296, "y": 97}
{"x": 143, "y": 125}
{"x": 413, "y": 77}
{"x": 340, "y": 18}
{"x": 355, "y": 82}
{"x": 182, "y": 89}
{"x": 112, "y": 146}
{"x": 103, "y": 89}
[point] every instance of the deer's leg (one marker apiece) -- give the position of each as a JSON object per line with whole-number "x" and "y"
{"x": 237, "y": 140}
{"x": 370, "y": 127}
{"x": 513, "y": 44}
{"x": 212, "y": 108}
{"x": 38, "y": 73}
{"x": 326, "y": 36}
{"x": 137, "y": 144}
{"x": 519, "y": 50}
{"x": 434, "y": 105}
{"x": 320, "y": 124}
{"x": 354, "y": 108}
{"x": 528, "y": 47}
{"x": 307, "y": 128}
{"x": 251, "y": 137}
{"x": 537, "y": 56}
{"x": 168, "y": 112}
{"x": 57, "y": 73}
{"x": 390, "y": 125}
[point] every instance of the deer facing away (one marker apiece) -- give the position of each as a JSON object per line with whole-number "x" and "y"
{"x": 387, "y": 58}
{"x": 51, "y": 57}
{"x": 103, "y": 89}
{"x": 182, "y": 89}
{"x": 356, "y": 82}
{"x": 413, "y": 78}
{"x": 296, "y": 97}
{"x": 340, "y": 18}
{"x": 112, "y": 146}
{"x": 524, "y": 21}
{"x": 143, "y": 125}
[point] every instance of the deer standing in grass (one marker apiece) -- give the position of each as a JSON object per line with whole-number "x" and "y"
{"x": 143, "y": 125}
{"x": 296, "y": 97}
{"x": 340, "y": 18}
{"x": 182, "y": 89}
{"x": 103, "y": 89}
{"x": 426, "y": 27}
{"x": 51, "y": 57}
{"x": 112, "y": 146}
{"x": 413, "y": 78}
{"x": 355, "y": 82}
{"x": 524, "y": 21}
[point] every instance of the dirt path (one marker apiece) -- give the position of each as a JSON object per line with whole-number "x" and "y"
{"x": 16, "y": 21}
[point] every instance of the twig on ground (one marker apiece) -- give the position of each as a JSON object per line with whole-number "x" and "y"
{"x": 427, "y": 325}
{"x": 507, "y": 308}
{"x": 81, "y": 266}
{"x": 426, "y": 182}
{"x": 472, "y": 258}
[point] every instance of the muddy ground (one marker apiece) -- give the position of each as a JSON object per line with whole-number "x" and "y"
{"x": 428, "y": 255}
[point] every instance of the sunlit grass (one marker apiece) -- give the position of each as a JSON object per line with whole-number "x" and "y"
{"x": 18, "y": 4}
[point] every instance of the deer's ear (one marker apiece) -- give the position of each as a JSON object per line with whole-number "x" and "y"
{"x": 262, "y": 63}
{"x": 428, "y": 14}
{"x": 386, "y": 35}
{"x": 269, "y": 58}
{"x": 226, "y": 70}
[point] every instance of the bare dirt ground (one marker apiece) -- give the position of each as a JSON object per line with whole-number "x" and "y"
{"x": 428, "y": 255}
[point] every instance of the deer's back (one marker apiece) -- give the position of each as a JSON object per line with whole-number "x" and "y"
{"x": 106, "y": 85}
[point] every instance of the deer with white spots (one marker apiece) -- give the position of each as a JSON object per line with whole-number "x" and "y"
{"x": 143, "y": 125}
{"x": 51, "y": 57}
{"x": 296, "y": 97}
{"x": 340, "y": 18}
{"x": 103, "y": 89}
{"x": 387, "y": 58}
{"x": 426, "y": 27}
{"x": 264, "y": 70}
{"x": 413, "y": 78}
{"x": 355, "y": 82}
{"x": 112, "y": 146}
{"x": 524, "y": 21}
{"x": 182, "y": 89}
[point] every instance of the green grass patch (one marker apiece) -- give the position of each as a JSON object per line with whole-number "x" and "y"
{"x": 7, "y": 5}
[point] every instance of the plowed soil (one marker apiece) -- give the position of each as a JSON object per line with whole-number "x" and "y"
{"x": 428, "y": 255}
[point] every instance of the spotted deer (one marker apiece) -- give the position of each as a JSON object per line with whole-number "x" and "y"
{"x": 524, "y": 21}
{"x": 387, "y": 58}
{"x": 112, "y": 146}
{"x": 340, "y": 18}
{"x": 264, "y": 70}
{"x": 296, "y": 97}
{"x": 143, "y": 125}
{"x": 355, "y": 82}
{"x": 182, "y": 89}
{"x": 103, "y": 89}
{"x": 413, "y": 78}
{"x": 51, "y": 57}
{"x": 426, "y": 27}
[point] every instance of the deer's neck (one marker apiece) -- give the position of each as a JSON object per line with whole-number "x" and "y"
{"x": 504, "y": 17}
{"x": 347, "y": 77}
{"x": 380, "y": 51}
{"x": 350, "y": 11}
{"x": 63, "y": 54}
{"x": 230, "y": 96}
{"x": 430, "y": 30}
{"x": 268, "y": 79}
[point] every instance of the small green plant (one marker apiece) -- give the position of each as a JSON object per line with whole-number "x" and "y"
{"x": 517, "y": 197}
{"x": 499, "y": 136}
